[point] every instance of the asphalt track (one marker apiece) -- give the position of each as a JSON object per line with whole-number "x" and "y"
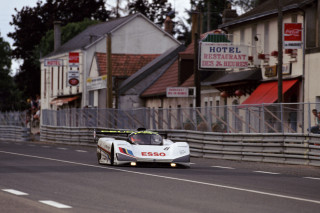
{"x": 38, "y": 177}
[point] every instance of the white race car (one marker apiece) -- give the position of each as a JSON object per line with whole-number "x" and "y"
{"x": 141, "y": 147}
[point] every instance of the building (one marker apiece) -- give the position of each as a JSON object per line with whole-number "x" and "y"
{"x": 65, "y": 71}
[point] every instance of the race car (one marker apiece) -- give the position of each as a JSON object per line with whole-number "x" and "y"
{"x": 140, "y": 147}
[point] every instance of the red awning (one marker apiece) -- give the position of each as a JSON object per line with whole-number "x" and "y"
{"x": 64, "y": 100}
{"x": 268, "y": 92}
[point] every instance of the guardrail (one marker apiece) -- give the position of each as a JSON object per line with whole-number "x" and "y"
{"x": 14, "y": 133}
{"x": 300, "y": 149}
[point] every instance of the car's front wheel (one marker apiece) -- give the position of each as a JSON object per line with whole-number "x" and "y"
{"x": 99, "y": 157}
{"x": 112, "y": 155}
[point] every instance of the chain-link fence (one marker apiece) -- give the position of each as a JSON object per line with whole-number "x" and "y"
{"x": 266, "y": 118}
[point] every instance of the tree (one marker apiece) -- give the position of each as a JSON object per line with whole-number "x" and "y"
{"x": 46, "y": 44}
{"x": 246, "y": 5}
{"x": 9, "y": 96}
{"x": 31, "y": 24}
{"x": 156, "y": 10}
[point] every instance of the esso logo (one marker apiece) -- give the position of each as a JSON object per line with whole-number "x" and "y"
{"x": 162, "y": 154}
{"x": 73, "y": 81}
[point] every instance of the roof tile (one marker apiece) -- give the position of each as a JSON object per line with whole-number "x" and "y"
{"x": 124, "y": 65}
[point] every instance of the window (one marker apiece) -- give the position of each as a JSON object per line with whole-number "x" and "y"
{"x": 242, "y": 36}
{"x": 91, "y": 98}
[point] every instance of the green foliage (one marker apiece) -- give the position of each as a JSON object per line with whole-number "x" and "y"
{"x": 9, "y": 95}
{"x": 155, "y": 10}
{"x": 69, "y": 31}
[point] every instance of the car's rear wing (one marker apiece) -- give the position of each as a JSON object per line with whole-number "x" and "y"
{"x": 120, "y": 133}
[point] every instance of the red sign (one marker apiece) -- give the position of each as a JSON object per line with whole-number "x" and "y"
{"x": 73, "y": 82}
{"x": 292, "y": 32}
{"x": 292, "y": 36}
{"x": 73, "y": 59}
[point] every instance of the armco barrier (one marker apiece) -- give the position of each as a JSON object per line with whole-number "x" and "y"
{"x": 276, "y": 148}
{"x": 14, "y": 133}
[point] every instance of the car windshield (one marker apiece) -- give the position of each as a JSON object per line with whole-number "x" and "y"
{"x": 146, "y": 139}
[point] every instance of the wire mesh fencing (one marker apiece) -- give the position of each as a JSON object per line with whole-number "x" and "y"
{"x": 265, "y": 118}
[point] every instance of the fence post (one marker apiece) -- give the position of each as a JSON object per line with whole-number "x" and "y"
{"x": 281, "y": 114}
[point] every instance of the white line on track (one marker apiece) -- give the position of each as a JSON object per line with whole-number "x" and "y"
{"x": 62, "y": 148}
{"x": 222, "y": 167}
{"x": 172, "y": 178}
{"x": 313, "y": 178}
{"x": 80, "y": 150}
{"x": 55, "y": 204}
{"x": 15, "y": 192}
{"x": 270, "y": 173}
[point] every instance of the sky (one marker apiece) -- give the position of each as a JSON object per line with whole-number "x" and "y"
{"x": 7, "y": 10}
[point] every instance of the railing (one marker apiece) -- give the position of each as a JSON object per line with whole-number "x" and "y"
{"x": 13, "y": 119}
{"x": 265, "y": 118}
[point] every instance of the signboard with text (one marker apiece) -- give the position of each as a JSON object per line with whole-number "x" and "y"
{"x": 222, "y": 55}
{"x": 292, "y": 36}
{"x": 53, "y": 62}
{"x": 96, "y": 83}
{"x": 73, "y": 59}
{"x": 73, "y": 77}
{"x": 174, "y": 92}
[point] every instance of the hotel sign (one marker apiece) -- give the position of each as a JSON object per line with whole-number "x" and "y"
{"x": 53, "y": 62}
{"x": 222, "y": 55}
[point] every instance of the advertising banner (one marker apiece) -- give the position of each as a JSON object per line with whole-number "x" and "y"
{"x": 73, "y": 59}
{"x": 222, "y": 55}
{"x": 73, "y": 77}
{"x": 96, "y": 83}
{"x": 292, "y": 36}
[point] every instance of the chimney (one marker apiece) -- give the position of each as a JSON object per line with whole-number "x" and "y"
{"x": 57, "y": 34}
{"x": 229, "y": 14}
{"x": 168, "y": 25}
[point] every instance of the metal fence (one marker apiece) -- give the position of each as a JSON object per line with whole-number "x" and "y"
{"x": 266, "y": 118}
{"x": 14, "y": 119}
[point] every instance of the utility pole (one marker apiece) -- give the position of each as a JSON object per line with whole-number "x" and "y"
{"x": 280, "y": 53}
{"x": 195, "y": 38}
{"x": 109, "y": 71}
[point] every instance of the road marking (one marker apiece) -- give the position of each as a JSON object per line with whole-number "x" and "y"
{"x": 62, "y": 148}
{"x": 55, "y": 204}
{"x": 31, "y": 145}
{"x": 15, "y": 192}
{"x": 172, "y": 178}
{"x": 45, "y": 146}
{"x": 270, "y": 173}
{"x": 313, "y": 178}
{"x": 222, "y": 167}
{"x": 80, "y": 150}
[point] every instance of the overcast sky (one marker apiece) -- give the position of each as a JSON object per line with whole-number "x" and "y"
{"x": 7, "y": 10}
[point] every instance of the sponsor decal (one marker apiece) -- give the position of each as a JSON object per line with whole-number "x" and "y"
{"x": 161, "y": 154}
{"x": 126, "y": 151}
